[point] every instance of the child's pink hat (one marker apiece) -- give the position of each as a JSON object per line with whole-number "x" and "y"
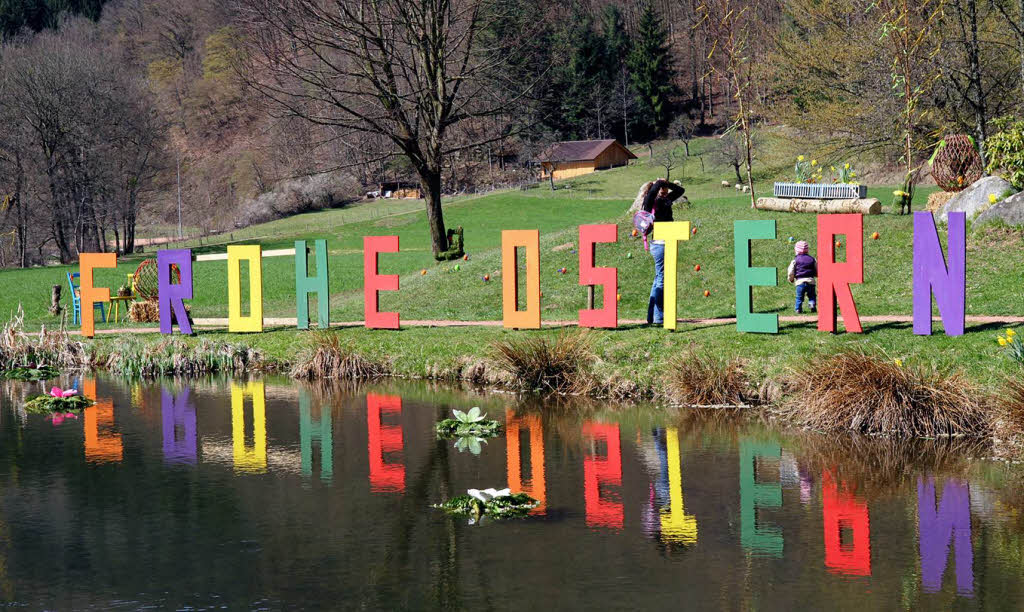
{"x": 801, "y": 247}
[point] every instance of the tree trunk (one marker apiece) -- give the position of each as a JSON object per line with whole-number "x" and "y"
{"x": 974, "y": 63}
{"x": 736, "y": 167}
{"x": 866, "y": 206}
{"x": 430, "y": 183}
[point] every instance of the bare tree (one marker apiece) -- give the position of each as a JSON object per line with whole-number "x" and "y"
{"x": 668, "y": 158}
{"x": 729, "y": 24}
{"x": 407, "y": 70}
{"x": 730, "y": 149}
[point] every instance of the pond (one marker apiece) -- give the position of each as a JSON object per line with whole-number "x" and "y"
{"x": 267, "y": 494}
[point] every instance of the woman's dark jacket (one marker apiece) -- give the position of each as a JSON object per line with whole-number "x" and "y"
{"x": 662, "y": 206}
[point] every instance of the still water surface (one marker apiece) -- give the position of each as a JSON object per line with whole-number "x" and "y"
{"x": 268, "y": 494}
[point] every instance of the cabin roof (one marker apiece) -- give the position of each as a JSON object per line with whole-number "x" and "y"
{"x": 580, "y": 150}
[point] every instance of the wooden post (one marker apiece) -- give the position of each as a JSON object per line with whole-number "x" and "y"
{"x": 55, "y": 307}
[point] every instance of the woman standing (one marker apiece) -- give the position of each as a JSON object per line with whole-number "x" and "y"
{"x": 659, "y": 201}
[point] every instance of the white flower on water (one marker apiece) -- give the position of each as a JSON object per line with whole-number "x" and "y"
{"x": 488, "y": 494}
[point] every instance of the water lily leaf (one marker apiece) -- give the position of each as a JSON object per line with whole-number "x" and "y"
{"x": 474, "y": 414}
{"x": 460, "y": 415}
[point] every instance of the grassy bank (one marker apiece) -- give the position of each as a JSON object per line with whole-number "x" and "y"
{"x": 637, "y": 354}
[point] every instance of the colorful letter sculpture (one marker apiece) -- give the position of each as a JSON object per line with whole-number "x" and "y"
{"x": 385, "y": 476}
{"x": 374, "y": 282}
{"x": 761, "y": 539}
{"x": 952, "y": 521}
{"x": 602, "y": 507}
{"x": 671, "y": 232}
{"x": 172, "y": 296}
{"x": 306, "y": 285}
{"x": 102, "y": 443}
{"x": 676, "y": 525}
{"x": 608, "y": 314}
{"x": 512, "y": 317}
{"x": 318, "y": 430}
{"x": 934, "y": 275}
{"x": 748, "y": 277}
{"x": 841, "y": 510}
{"x": 179, "y": 427}
{"x": 249, "y": 458}
{"x": 535, "y": 485}
{"x": 89, "y": 294}
{"x": 253, "y": 322}
{"x": 834, "y": 279}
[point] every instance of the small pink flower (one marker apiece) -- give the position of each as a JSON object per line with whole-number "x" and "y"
{"x": 56, "y": 392}
{"x": 70, "y": 415}
{"x": 69, "y": 393}
{"x": 58, "y": 419}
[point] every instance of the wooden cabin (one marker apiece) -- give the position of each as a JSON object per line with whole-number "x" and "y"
{"x": 577, "y": 157}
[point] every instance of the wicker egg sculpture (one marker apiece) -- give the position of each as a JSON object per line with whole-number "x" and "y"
{"x": 956, "y": 164}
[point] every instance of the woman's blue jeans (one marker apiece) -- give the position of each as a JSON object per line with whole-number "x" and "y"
{"x": 656, "y": 306}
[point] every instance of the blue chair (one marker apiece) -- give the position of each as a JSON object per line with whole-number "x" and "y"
{"x": 76, "y": 301}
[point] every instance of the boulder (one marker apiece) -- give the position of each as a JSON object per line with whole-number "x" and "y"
{"x": 974, "y": 199}
{"x": 1009, "y": 211}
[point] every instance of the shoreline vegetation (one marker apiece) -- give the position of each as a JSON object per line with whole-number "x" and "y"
{"x": 836, "y": 386}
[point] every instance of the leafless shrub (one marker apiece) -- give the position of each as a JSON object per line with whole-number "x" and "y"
{"x": 327, "y": 357}
{"x": 698, "y": 378}
{"x": 536, "y": 363}
{"x": 50, "y": 346}
{"x": 870, "y": 394}
{"x": 299, "y": 195}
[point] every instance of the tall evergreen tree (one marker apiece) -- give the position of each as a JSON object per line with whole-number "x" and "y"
{"x": 651, "y": 71}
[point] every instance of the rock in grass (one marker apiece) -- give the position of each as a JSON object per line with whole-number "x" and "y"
{"x": 975, "y": 199}
{"x": 1010, "y": 211}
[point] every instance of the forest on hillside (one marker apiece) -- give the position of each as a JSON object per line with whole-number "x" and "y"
{"x": 116, "y": 115}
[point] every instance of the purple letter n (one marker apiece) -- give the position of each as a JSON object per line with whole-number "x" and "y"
{"x": 172, "y": 295}
{"x": 932, "y": 275}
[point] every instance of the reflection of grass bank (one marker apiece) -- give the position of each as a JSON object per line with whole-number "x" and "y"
{"x": 638, "y": 363}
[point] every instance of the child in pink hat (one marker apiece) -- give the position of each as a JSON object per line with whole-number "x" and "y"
{"x": 802, "y": 272}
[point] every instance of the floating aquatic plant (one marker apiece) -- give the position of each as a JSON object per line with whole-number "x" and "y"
{"x": 469, "y": 429}
{"x": 495, "y": 503}
{"x": 469, "y": 423}
{"x": 58, "y": 401}
{"x": 31, "y": 372}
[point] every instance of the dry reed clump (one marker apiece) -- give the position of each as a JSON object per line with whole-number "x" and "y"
{"x": 50, "y": 346}
{"x": 1009, "y": 421}
{"x": 870, "y": 394}
{"x": 327, "y": 357}
{"x": 535, "y": 363}
{"x": 172, "y": 356}
{"x": 697, "y": 378}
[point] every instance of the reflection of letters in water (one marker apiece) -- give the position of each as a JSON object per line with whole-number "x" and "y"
{"x": 952, "y": 521}
{"x": 761, "y": 539}
{"x": 534, "y": 486}
{"x": 602, "y": 508}
{"x": 102, "y": 445}
{"x": 384, "y": 476}
{"x": 249, "y": 458}
{"x": 676, "y": 525}
{"x": 850, "y": 554}
{"x": 179, "y": 427}
{"x": 318, "y": 430}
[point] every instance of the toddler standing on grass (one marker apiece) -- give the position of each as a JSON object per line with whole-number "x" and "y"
{"x": 802, "y": 271}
